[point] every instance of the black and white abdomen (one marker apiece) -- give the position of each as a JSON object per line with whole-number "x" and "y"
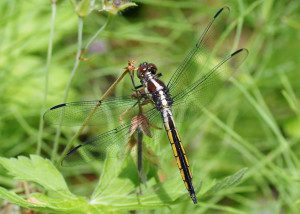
{"x": 162, "y": 100}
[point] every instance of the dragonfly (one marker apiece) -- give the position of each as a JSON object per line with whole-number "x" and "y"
{"x": 196, "y": 80}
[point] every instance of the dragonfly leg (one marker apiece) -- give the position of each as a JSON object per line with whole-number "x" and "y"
{"x": 140, "y": 156}
{"x": 139, "y": 94}
{"x": 155, "y": 126}
{"x": 138, "y": 87}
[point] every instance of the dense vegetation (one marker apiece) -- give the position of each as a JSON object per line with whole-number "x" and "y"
{"x": 74, "y": 50}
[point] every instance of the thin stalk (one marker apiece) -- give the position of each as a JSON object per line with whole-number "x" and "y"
{"x": 140, "y": 136}
{"x": 46, "y": 81}
{"x": 88, "y": 44}
{"x": 141, "y": 174}
{"x": 106, "y": 94}
{"x": 140, "y": 155}
{"x": 76, "y": 64}
{"x": 238, "y": 33}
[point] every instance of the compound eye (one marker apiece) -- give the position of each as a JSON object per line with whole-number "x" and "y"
{"x": 152, "y": 68}
{"x": 141, "y": 71}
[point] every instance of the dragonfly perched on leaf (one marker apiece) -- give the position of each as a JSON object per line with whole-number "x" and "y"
{"x": 196, "y": 80}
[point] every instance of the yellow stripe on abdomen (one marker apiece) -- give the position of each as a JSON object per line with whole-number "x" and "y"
{"x": 175, "y": 152}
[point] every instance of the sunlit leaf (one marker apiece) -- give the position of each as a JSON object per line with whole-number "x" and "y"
{"x": 16, "y": 199}
{"x": 38, "y": 170}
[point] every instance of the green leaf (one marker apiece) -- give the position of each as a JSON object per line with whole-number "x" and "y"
{"x": 116, "y": 191}
{"x": 226, "y": 183}
{"x": 15, "y": 199}
{"x": 65, "y": 205}
{"x": 117, "y": 187}
{"x": 110, "y": 180}
{"x": 38, "y": 170}
{"x": 153, "y": 195}
{"x": 41, "y": 202}
{"x": 41, "y": 171}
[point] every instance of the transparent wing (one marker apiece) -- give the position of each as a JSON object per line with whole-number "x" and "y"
{"x": 204, "y": 89}
{"x": 112, "y": 144}
{"x": 191, "y": 68}
{"x": 105, "y": 113}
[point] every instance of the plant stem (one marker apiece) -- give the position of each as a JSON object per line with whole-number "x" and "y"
{"x": 48, "y": 63}
{"x": 140, "y": 135}
{"x": 106, "y": 94}
{"x": 97, "y": 33}
{"x": 76, "y": 64}
{"x": 141, "y": 174}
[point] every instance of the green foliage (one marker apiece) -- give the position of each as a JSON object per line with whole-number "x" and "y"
{"x": 43, "y": 173}
{"x": 37, "y": 170}
{"x": 113, "y": 193}
{"x": 226, "y": 183}
{"x": 253, "y": 123}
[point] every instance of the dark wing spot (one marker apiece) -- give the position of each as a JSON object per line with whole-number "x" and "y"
{"x": 58, "y": 106}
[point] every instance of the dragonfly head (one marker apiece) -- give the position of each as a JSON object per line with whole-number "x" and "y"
{"x": 146, "y": 69}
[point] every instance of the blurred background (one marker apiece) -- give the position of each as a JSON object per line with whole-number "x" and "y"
{"x": 255, "y": 123}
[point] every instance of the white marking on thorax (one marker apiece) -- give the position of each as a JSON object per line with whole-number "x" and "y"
{"x": 159, "y": 88}
{"x": 155, "y": 83}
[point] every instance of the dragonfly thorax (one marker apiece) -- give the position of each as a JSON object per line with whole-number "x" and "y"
{"x": 155, "y": 89}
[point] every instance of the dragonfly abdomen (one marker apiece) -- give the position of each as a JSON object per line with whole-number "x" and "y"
{"x": 178, "y": 151}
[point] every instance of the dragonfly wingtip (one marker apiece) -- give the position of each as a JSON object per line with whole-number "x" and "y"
{"x": 74, "y": 149}
{"x": 225, "y": 8}
{"x": 240, "y": 50}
